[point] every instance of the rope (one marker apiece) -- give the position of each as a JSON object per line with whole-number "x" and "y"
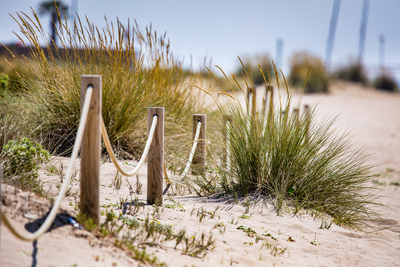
{"x": 54, "y": 210}
{"x": 228, "y": 144}
{"x": 145, "y": 152}
{"x": 196, "y": 139}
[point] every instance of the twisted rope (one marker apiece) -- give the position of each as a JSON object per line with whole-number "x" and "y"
{"x": 183, "y": 175}
{"x": 145, "y": 152}
{"x": 196, "y": 139}
{"x": 54, "y": 210}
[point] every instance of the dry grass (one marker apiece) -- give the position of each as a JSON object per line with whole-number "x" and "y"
{"x": 137, "y": 69}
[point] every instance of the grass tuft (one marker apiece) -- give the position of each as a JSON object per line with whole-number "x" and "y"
{"x": 292, "y": 159}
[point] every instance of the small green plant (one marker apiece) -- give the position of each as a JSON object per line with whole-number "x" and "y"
{"x": 269, "y": 235}
{"x": 325, "y": 224}
{"x": 157, "y": 211}
{"x": 201, "y": 213}
{"x": 314, "y": 242}
{"x": 246, "y": 205}
{"x": 275, "y": 249}
{"x": 86, "y": 222}
{"x": 138, "y": 186}
{"x": 250, "y": 232}
{"x": 245, "y": 216}
{"x": 117, "y": 181}
{"x": 22, "y": 161}
{"x": 221, "y": 226}
{"x": 176, "y": 205}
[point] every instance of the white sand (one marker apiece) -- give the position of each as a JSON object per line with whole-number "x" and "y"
{"x": 373, "y": 118}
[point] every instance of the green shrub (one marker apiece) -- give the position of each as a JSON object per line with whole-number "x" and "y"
{"x": 21, "y": 165}
{"x": 307, "y": 71}
{"x": 354, "y": 72}
{"x": 386, "y": 82}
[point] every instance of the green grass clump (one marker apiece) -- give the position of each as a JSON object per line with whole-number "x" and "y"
{"x": 307, "y": 71}
{"x": 138, "y": 71}
{"x": 353, "y": 72}
{"x": 292, "y": 159}
{"x": 386, "y": 82}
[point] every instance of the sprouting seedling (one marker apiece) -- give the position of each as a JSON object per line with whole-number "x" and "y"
{"x": 117, "y": 181}
{"x": 314, "y": 242}
{"x": 246, "y": 204}
{"x": 138, "y": 185}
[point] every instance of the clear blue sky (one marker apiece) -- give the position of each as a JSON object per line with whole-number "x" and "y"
{"x": 225, "y": 29}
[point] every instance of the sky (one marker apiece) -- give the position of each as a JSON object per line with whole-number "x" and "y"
{"x": 222, "y": 30}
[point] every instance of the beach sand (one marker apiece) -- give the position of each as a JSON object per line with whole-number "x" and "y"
{"x": 372, "y": 118}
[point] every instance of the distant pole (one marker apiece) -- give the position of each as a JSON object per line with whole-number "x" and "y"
{"x": 331, "y": 35}
{"x": 74, "y": 9}
{"x": 199, "y": 160}
{"x": 91, "y": 149}
{"x": 363, "y": 31}
{"x": 155, "y": 159}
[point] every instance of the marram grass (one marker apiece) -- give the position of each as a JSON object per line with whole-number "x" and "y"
{"x": 138, "y": 71}
{"x": 289, "y": 157}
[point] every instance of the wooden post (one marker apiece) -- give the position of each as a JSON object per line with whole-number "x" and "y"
{"x": 265, "y": 101}
{"x": 308, "y": 121}
{"x": 90, "y": 150}
{"x": 252, "y": 99}
{"x": 271, "y": 102}
{"x": 155, "y": 159}
{"x": 225, "y": 133}
{"x": 199, "y": 159}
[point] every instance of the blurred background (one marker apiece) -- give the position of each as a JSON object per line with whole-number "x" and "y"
{"x": 208, "y": 33}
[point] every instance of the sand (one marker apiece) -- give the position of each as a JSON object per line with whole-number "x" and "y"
{"x": 286, "y": 240}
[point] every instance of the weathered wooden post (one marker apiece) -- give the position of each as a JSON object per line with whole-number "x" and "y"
{"x": 226, "y": 136}
{"x": 199, "y": 160}
{"x": 308, "y": 121}
{"x": 90, "y": 149}
{"x": 252, "y": 100}
{"x": 155, "y": 158}
{"x": 265, "y": 102}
